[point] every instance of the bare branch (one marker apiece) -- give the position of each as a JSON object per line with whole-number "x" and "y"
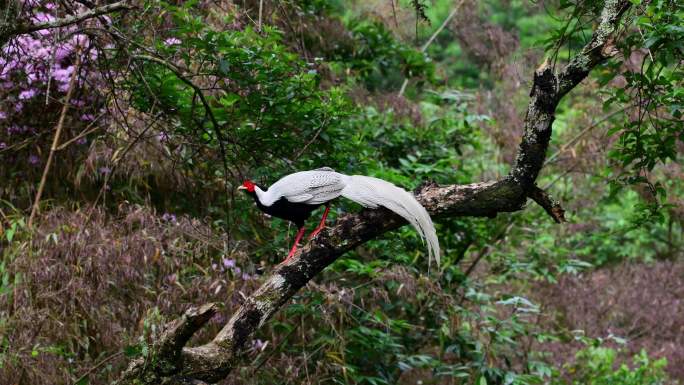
{"x": 432, "y": 38}
{"x": 599, "y": 49}
{"x": 55, "y": 139}
{"x": 7, "y": 31}
{"x": 552, "y": 207}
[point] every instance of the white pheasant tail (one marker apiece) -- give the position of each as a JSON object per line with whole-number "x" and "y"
{"x": 373, "y": 192}
{"x": 324, "y": 184}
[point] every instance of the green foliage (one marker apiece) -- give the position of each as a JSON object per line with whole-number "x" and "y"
{"x": 595, "y": 365}
{"x": 263, "y": 98}
{"x": 613, "y": 233}
{"x": 380, "y": 60}
{"x": 654, "y": 91}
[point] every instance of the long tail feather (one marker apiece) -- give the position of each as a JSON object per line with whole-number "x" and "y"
{"x": 373, "y": 192}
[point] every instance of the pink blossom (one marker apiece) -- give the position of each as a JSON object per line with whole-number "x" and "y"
{"x": 32, "y": 77}
{"x": 80, "y": 40}
{"x": 87, "y": 117}
{"x": 28, "y": 94}
{"x": 31, "y": 55}
{"x": 227, "y": 263}
{"x": 33, "y": 160}
{"x": 44, "y": 32}
{"x": 258, "y": 344}
{"x": 63, "y": 74}
{"x": 14, "y": 129}
{"x": 172, "y": 41}
{"x": 41, "y": 17}
{"x": 3, "y": 115}
{"x": 62, "y": 53}
{"x": 78, "y": 102}
{"x": 169, "y": 218}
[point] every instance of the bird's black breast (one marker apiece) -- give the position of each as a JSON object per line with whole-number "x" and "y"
{"x": 293, "y": 212}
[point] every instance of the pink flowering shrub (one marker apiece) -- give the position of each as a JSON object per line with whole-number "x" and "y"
{"x": 35, "y": 72}
{"x": 32, "y": 64}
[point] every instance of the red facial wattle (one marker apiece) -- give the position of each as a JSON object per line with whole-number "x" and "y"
{"x": 249, "y": 185}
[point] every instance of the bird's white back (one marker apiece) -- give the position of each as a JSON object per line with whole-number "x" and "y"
{"x": 310, "y": 187}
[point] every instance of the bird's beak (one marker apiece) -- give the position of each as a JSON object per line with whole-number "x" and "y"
{"x": 242, "y": 188}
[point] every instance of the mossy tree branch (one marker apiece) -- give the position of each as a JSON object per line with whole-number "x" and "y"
{"x": 214, "y": 360}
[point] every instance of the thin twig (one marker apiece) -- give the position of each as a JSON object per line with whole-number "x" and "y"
{"x": 394, "y": 13}
{"x": 432, "y": 38}
{"x": 69, "y": 20}
{"x": 98, "y": 365}
{"x": 55, "y": 140}
{"x": 495, "y": 241}
{"x": 53, "y": 55}
{"x": 572, "y": 141}
{"x": 207, "y": 107}
{"x": 318, "y": 132}
{"x": 89, "y": 129}
{"x": 116, "y": 158}
{"x": 644, "y": 39}
{"x": 441, "y": 27}
{"x": 215, "y": 125}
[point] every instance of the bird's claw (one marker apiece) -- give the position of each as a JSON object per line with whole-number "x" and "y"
{"x": 315, "y": 233}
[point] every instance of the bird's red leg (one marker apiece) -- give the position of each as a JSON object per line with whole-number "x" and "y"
{"x": 299, "y": 236}
{"x": 321, "y": 225}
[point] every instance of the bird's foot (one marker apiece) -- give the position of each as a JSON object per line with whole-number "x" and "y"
{"x": 315, "y": 232}
{"x": 321, "y": 225}
{"x": 291, "y": 254}
{"x": 299, "y": 236}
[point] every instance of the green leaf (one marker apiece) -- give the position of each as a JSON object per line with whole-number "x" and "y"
{"x": 132, "y": 351}
{"x": 229, "y": 99}
{"x": 10, "y": 232}
{"x": 224, "y": 67}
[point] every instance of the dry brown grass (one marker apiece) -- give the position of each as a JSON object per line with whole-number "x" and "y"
{"x": 87, "y": 287}
{"x": 642, "y": 303}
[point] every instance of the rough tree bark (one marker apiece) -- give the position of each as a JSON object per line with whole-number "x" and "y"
{"x": 173, "y": 363}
